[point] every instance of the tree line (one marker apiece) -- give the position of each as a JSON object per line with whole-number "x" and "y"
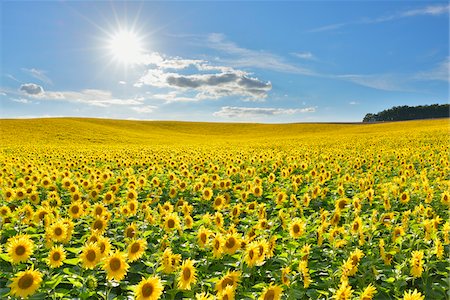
{"x": 403, "y": 113}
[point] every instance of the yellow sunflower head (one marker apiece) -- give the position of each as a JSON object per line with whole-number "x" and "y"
{"x": 25, "y": 283}
{"x": 149, "y": 289}
{"x": 56, "y": 256}
{"x": 136, "y": 249}
{"x": 187, "y": 275}
{"x": 115, "y": 266}
{"x": 19, "y": 248}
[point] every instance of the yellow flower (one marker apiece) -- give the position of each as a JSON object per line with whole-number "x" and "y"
{"x": 296, "y": 228}
{"x": 56, "y": 256}
{"x": 76, "y": 210}
{"x": 285, "y": 276}
{"x": 203, "y": 236}
{"x": 445, "y": 198}
{"x": 57, "y": 231}
{"x": 303, "y": 268}
{"x": 368, "y": 293}
{"x": 136, "y": 249}
{"x": 115, "y": 266}
{"x": 204, "y": 296}
{"x": 413, "y": 295}
{"x": 232, "y": 244}
{"x": 149, "y": 289}
{"x": 25, "y": 283}
{"x": 187, "y": 275}
{"x": 19, "y": 248}
{"x": 131, "y": 231}
{"x": 171, "y": 222}
{"x": 272, "y": 292}
{"x": 207, "y": 194}
{"x": 218, "y": 243}
{"x": 229, "y": 279}
{"x": 344, "y": 292}
{"x": 90, "y": 256}
{"x": 417, "y": 263}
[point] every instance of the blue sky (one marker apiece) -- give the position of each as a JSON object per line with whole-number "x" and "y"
{"x": 297, "y": 61}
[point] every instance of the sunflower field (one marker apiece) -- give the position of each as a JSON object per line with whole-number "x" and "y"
{"x": 104, "y": 209}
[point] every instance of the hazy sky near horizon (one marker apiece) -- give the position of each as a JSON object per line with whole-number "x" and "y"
{"x": 255, "y": 61}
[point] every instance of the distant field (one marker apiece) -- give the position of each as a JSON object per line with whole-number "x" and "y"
{"x": 107, "y": 209}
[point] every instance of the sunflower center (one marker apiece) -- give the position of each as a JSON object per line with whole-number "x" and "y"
{"x": 130, "y": 232}
{"x": 135, "y": 247}
{"x": 226, "y": 282}
{"x": 186, "y": 273}
{"x": 270, "y": 295}
{"x": 171, "y": 223}
{"x": 203, "y": 237}
{"x": 20, "y": 250}
{"x": 98, "y": 211}
{"x": 115, "y": 264}
{"x": 225, "y": 297}
{"x": 56, "y": 256}
{"x": 91, "y": 255}
{"x": 26, "y": 281}
{"x": 75, "y": 209}
{"x": 231, "y": 242}
{"x": 251, "y": 254}
{"x": 58, "y": 231}
{"x": 296, "y": 228}
{"x": 147, "y": 290}
{"x": 102, "y": 247}
{"x": 98, "y": 224}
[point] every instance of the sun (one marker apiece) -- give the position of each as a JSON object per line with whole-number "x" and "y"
{"x": 126, "y": 47}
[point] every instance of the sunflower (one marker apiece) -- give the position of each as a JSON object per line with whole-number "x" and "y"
{"x": 272, "y": 292}
{"x": 203, "y": 235}
{"x": 171, "y": 222}
{"x": 285, "y": 276}
{"x": 207, "y": 194}
{"x": 136, "y": 249}
{"x": 170, "y": 261}
{"x": 251, "y": 254}
{"x": 413, "y": 295}
{"x": 57, "y": 231}
{"x": 90, "y": 256}
{"x": 56, "y": 256}
{"x": 257, "y": 191}
{"x": 417, "y": 263}
{"x": 187, "y": 275}
{"x": 219, "y": 202}
{"x": 368, "y": 293}
{"x": 99, "y": 225}
{"x": 204, "y": 296}
{"x": 445, "y": 198}
{"x": 232, "y": 244}
{"x": 404, "y": 197}
{"x": 297, "y": 228}
{"x": 104, "y": 245}
{"x": 217, "y": 244}
{"x": 149, "y": 289}
{"x": 19, "y": 248}
{"x": 230, "y": 279}
{"x": 131, "y": 231}
{"x": 115, "y": 266}
{"x": 218, "y": 219}
{"x": 228, "y": 293}
{"x": 344, "y": 292}
{"x": 25, "y": 283}
{"x": 303, "y": 268}
{"x": 188, "y": 222}
{"x": 397, "y": 233}
{"x": 76, "y": 210}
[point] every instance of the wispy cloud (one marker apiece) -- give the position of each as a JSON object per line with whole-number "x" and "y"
{"x": 304, "y": 55}
{"x": 240, "y": 57}
{"x": 92, "y": 97}
{"x": 144, "y": 109}
{"x": 430, "y": 10}
{"x": 353, "y": 103}
{"x": 251, "y": 112}
{"x": 385, "y": 82}
{"x": 440, "y": 72}
{"x": 22, "y": 100}
{"x": 38, "y": 74}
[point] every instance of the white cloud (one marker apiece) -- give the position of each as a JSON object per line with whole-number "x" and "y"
{"x": 143, "y": 109}
{"x": 31, "y": 89}
{"x": 224, "y": 82}
{"x": 440, "y": 72}
{"x": 122, "y": 82}
{"x": 353, "y": 103}
{"x": 38, "y": 74}
{"x": 92, "y": 97}
{"x": 22, "y": 100}
{"x": 431, "y": 10}
{"x": 240, "y": 57}
{"x": 385, "y": 82}
{"x": 251, "y": 112}
{"x": 304, "y": 55}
